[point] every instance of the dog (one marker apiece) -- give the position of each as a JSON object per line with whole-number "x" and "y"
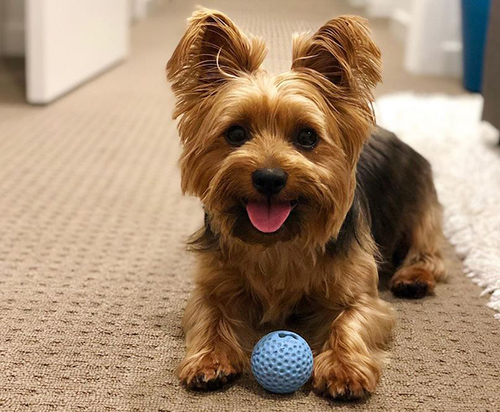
{"x": 305, "y": 198}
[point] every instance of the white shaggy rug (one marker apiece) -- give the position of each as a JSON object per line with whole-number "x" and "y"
{"x": 465, "y": 158}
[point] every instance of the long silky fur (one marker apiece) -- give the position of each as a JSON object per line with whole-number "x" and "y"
{"x": 321, "y": 267}
{"x": 199, "y": 64}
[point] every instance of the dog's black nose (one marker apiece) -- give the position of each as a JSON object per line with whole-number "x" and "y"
{"x": 269, "y": 181}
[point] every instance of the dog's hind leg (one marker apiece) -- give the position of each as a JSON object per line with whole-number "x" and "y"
{"x": 423, "y": 265}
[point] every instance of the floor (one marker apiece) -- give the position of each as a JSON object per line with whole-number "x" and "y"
{"x": 93, "y": 272}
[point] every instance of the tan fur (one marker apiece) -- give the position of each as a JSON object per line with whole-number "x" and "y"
{"x": 423, "y": 265}
{"x": 247, "y": 282}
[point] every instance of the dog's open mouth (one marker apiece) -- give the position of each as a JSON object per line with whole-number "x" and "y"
{"x": 268, "y": 215}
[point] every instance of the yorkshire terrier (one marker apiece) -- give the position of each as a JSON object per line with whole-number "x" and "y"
{"x": 304, "y": 198}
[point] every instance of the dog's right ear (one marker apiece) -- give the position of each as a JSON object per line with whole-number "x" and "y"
{"x": 212, "y": 51}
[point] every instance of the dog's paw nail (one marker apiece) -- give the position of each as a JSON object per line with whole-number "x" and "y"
{"x": 209, "y": 373}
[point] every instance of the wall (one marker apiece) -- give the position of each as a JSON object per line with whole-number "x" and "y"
{"x": 491, "y": 85}
{"x": 434, "y": 43}
{"x": 1, "y": 26}
{"x": 429, "y": 29}
{"x": 12, "y": 28}
{"x": 12, "y": 31}
{"x": 139, "y": 9}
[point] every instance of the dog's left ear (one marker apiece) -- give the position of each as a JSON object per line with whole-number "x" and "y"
{"x": 212, "y": 51}
{"x": 343, "y": 52}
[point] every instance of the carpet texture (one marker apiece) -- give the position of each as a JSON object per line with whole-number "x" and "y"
{"x": 465, "y": 156}
{"x": 94, "y": 276}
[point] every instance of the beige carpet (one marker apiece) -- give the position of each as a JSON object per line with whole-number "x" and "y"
{"x": 93, "y": 273}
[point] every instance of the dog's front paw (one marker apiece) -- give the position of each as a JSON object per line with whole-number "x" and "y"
{"x": 208, "y": 372}
{"x": 344, "y": 380}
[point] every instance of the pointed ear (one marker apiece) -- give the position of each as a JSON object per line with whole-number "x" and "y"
{"x": 343, "y": 52}
{"x": 212, "y": 51}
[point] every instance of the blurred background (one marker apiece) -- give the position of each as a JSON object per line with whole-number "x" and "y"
{"x": 49, "y": 47}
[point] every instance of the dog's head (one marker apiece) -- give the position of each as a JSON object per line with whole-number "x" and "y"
{"x": 273, "y": 158}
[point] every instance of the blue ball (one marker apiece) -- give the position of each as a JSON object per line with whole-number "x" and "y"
{"x": 282, "y": 362}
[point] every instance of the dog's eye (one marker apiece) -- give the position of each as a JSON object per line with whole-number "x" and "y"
{"x": 306, "y": 139}
{"x": 236, "y": 135}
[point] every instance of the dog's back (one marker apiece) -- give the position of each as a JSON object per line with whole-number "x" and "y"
{"x": 395, "y": 189}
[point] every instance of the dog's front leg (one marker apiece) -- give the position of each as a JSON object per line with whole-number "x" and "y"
{"x": 216, "y": 326}
{"x": 349, "y": 363}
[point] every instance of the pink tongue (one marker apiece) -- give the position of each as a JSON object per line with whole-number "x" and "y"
{"x": 268, "y": 217}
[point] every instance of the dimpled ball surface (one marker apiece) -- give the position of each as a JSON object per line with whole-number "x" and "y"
{"x": 282, "y": 362}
